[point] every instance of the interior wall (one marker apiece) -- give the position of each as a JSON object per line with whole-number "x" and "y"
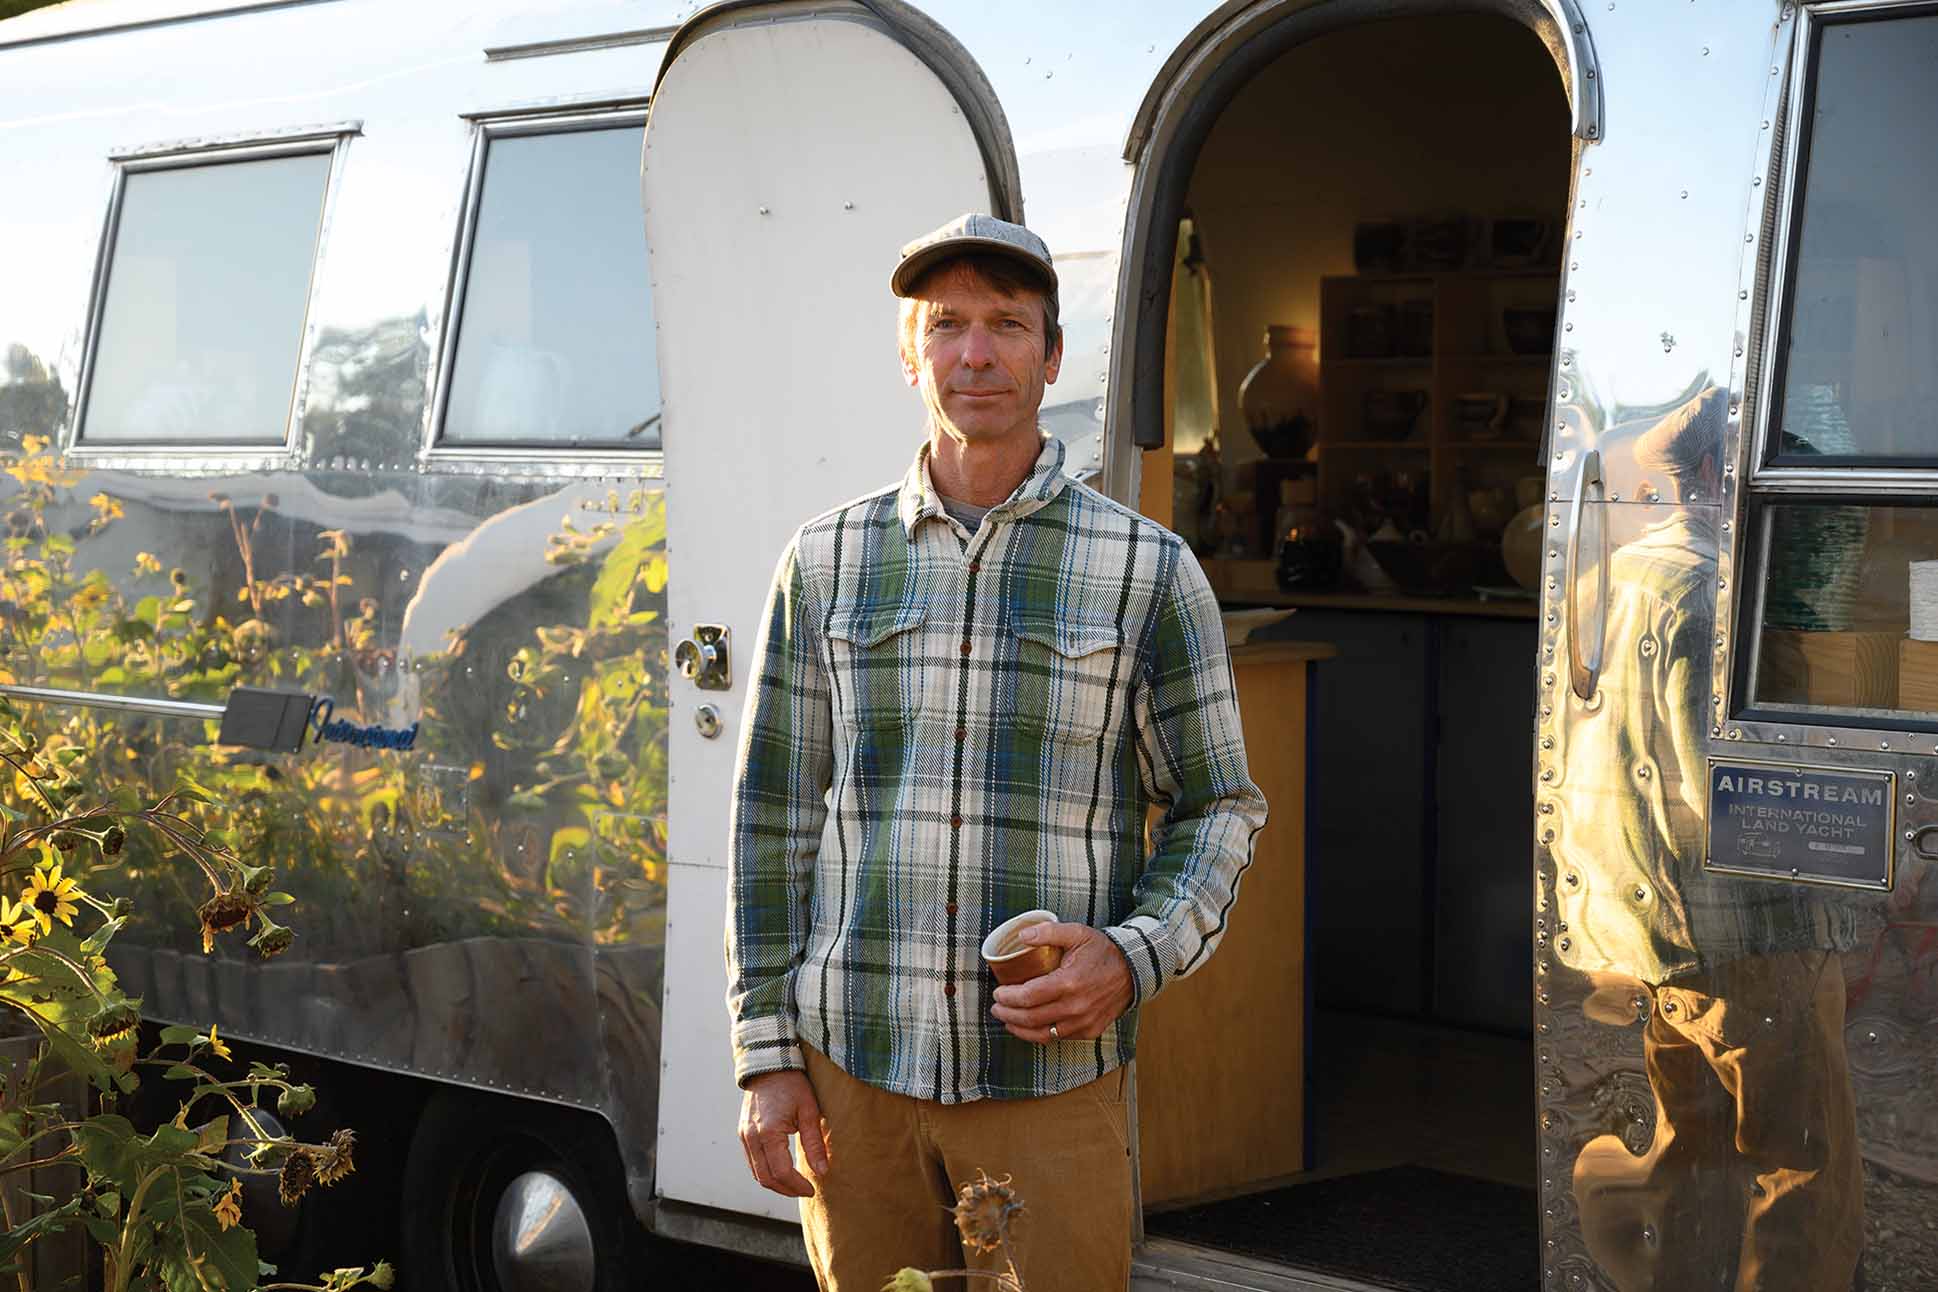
{"x": 1464, "y": 113}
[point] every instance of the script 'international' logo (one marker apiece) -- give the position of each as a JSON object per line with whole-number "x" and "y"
{"x": 349, "y": 733}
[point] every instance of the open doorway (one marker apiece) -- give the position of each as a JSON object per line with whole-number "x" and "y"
{"x": 1360, "y": 346}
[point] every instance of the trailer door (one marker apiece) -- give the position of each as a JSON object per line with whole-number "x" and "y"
{"x": 791, "y": 150}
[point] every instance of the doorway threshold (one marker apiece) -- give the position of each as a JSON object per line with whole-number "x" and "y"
{"x": 1167, "y": 1265}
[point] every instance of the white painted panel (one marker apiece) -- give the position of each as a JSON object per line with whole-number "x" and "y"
{"x": 786, "y": 163}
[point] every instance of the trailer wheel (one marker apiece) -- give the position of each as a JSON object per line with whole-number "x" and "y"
{"x": 505, "y": 1196}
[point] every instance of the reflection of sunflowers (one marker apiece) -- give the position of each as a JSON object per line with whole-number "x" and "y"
{"x": 253, "y": 638}
{"x": 49, "y": 897}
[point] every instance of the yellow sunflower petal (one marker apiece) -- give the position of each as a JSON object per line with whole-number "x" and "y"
{"x": 228, "y": 1211}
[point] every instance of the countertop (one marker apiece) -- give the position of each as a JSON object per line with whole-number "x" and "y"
{"x": 1283, "y": 652}
{"x": 1250, "y": 583}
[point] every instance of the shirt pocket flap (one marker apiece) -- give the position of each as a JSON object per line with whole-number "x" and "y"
{"x": 868, "y": 626}
{"x": 1070, "y": 636}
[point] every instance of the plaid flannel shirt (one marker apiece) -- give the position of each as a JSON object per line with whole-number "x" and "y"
{"x": 946, "y": 729}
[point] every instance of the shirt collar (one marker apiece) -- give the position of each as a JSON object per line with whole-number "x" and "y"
{"x": 918, "y": 499}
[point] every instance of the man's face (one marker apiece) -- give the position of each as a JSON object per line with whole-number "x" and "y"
{"x": 978, "y": 357}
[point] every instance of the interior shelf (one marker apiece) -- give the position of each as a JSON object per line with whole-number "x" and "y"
{"x": 1365, "y": 319}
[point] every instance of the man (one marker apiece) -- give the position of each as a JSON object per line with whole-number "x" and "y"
{"x": 1751, "y": 1178}
{"x": 970, "y": 687}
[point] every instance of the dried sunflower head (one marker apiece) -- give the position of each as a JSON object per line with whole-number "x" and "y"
{"x": 114, "y": 1022}
{"x": 222, "y": 912}
{"x": 297, "y": 1175}
{"x": 983, "y": 1210}
{"x": 333, "y": 1160}
{"x": 272, "y": 941}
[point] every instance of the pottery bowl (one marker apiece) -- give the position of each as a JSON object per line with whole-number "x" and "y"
{"x": 1010, "y": 960}
{"x": 1391, "y": 414}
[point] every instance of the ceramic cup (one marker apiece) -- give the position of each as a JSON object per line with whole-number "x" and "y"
{"x": 1013, "y": 962}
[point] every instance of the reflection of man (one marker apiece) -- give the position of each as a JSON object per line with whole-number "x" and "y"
{"x": 969, "y": 687}
{"x": 1752, "y": 1180}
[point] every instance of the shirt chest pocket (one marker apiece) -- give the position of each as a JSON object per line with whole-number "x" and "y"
{"x": 1073, "y": 675}
{"x": 876, "y": 655}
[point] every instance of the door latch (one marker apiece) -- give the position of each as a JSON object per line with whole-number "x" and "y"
{"x": 704, "y": 658}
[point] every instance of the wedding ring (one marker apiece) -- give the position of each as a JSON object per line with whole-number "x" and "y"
{"x": 1053, "y": 1035}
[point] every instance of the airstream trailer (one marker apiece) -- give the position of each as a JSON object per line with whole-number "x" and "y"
{"x": 404, "y": 405}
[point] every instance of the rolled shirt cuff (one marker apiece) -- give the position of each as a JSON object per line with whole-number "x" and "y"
{"x": 764, "y": 1045}
{"x": 1147, "y": 950}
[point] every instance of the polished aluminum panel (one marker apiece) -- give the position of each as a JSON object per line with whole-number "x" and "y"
{"x": 486, "y": 907}
{"x": 1723, "y": 1060}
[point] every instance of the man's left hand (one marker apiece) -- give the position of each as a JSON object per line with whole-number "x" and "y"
{"x": 1082, "y": 997}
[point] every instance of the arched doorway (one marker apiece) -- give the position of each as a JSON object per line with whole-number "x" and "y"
{"x": 1393, "y": 194}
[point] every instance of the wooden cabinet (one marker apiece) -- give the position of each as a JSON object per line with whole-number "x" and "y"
{"x": 1472, "y": 350}
{"x": 1221, "y": 1081}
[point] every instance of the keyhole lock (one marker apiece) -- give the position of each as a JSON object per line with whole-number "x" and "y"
{"x": 707, "y": 719}
{"x": 705, "y": 658}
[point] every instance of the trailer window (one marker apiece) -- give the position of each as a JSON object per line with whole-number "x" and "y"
{"x": 1841, "y": 538}
{"x": 1857, "y": 353}
{"x": 199, "y": 331}
{"x": 1848, "y": 606}
{"x": 555, "y": 319}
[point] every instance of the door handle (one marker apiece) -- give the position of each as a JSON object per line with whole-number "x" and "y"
{"x": 1584, "y": 670}
{"x": 706, "y": 658}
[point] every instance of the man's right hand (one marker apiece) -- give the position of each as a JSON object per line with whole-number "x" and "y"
{"x": 779, "y": 1104}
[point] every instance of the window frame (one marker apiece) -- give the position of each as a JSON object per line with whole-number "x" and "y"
{"x": 1770, "y": 470}
{"x": 329, "y": 140}
{"x": 1769, "y": 480}
{"x": 561, "y": 459}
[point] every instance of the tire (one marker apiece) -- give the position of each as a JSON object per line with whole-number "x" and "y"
{"x": 467, "y": 1151}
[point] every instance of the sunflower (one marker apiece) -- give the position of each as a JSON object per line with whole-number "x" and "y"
{"x": 49, "y": 897}
{"x": 222, "y": 912}
{"x": 16, "y": 922}
{"x": 297, "y": 1175}
{"x": 114, "y": 1023}
{"x": 983, "y": 1211}
{"x": 228, "y": 1212}
{"x": 333, "y": 1159}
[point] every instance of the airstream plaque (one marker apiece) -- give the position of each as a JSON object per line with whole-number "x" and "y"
{"x": 1812, "y": 824}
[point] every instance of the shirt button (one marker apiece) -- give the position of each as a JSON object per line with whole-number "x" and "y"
{"x": 806, "y": 898}
{"x": 962, "y": 734}
{"x": 955, "y": 823}
{"x": 975, "y": 567}
{"x": 951, "y": 908}
{"x": 948, "y": 989}
{"x": 965, "y": 648}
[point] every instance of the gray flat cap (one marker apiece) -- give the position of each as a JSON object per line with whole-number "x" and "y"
{"x": 972, "y": 234}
